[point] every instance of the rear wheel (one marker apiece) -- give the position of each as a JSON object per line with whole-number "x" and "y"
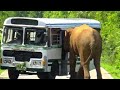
{"x": 13, "y": 74}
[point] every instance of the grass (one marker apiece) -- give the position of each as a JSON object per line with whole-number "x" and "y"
{"x": 0, "y": 57}
{"x": 1, "y": 71}
{"x": 115, "y": 73}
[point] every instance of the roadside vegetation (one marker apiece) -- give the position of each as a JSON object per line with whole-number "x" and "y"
{"x": 113, "y": 71}
{"x": 1, "y": 71}
{"x": 110, "y": 32}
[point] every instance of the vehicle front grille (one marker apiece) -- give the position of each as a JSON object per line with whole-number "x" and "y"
{"x": 22, "y": 55}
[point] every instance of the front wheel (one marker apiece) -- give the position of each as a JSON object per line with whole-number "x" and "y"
{"x": 13, "y": 74}
{"x": 43, "y": 75}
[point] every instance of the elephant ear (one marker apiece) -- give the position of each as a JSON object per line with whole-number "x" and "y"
{"x": 67, "y": 39}
{"x": 69, "y": 31}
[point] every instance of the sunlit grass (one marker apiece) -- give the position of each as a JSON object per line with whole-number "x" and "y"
{"x": 1, "y": 71}
{"x": 115, "y": 72}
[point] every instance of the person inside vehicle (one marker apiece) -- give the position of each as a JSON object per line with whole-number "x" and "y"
{"x": 27, "y": 38}
{"x": 40, "y": 38}
{"x": 19, "y": 38}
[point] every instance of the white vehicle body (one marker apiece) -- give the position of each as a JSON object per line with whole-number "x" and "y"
{"x": 50, "y": 51}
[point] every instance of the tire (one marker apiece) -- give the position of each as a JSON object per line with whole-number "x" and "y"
{"x": 54, "y": 69}
{"x": 13, "y": 74}
{"x": 43, "y": 75}
{"x": 52, "y": 74}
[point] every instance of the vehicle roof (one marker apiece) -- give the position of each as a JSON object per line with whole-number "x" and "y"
{"x": 59, "y": 22}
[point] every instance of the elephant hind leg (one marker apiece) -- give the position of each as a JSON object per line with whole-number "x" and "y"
{"x": 86, "y": 71}
{"x": 84, "y": 68}
{"x": 97, "y": 67}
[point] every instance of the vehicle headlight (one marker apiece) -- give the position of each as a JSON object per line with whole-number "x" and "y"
{"x": 36, "y": 62}
{"x": 7, "y": 60}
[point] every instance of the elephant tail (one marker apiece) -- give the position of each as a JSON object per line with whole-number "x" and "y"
{"x": 92, "y": 46}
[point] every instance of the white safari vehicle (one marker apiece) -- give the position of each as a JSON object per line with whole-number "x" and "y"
{"x": 35, "y": 45}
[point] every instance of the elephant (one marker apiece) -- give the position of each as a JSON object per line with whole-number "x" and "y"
{"x": 85, "y": 42}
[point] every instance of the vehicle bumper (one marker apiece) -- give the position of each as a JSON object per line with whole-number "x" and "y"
{"x": 27, "y": 69}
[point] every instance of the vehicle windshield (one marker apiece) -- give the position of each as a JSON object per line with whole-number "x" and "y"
{"x": 31, "y": 36}
{"x": 35, "y": 36}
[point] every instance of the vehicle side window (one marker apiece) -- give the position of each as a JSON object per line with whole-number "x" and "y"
{"x": 55, "y": 36}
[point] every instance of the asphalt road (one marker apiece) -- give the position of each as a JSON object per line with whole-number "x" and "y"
{"x": 105, "y": 74}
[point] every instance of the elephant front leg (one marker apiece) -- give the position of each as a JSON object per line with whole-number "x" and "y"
{"x": 72, "y": 67}
{"x": 80, "y": 73}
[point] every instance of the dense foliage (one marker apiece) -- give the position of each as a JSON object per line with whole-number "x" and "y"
{"x": 110, "y": 32}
